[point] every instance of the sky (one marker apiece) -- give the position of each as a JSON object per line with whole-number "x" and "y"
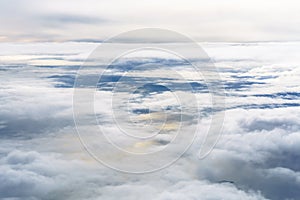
{"x": 74, "y": 128}
{"x": 204, "y": 21}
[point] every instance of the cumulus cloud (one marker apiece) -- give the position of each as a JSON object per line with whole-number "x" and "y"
{"x": 256, "y": 157}
{"x": 32, "y": 175}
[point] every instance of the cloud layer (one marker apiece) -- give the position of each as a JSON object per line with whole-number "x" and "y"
{"x": 256, "y": 158}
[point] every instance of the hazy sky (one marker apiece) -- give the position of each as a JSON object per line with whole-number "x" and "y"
{"x": 206, "y": 20}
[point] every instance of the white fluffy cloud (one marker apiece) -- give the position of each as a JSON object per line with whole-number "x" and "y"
{"x": 32, "y": 175}
{"x": 256, "y": 158}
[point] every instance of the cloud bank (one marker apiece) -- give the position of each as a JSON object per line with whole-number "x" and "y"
{"x": 256, "y": 158}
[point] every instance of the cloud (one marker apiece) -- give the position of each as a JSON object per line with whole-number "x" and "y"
{"x": 221, "y": 21}
{"x": 256, "y": 157}
{"x": 50, "y": 176}
{"x": 71, "y": 19}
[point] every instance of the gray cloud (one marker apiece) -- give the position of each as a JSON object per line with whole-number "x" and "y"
{"x": 42, "y": 176}
{"x": 61, "y": 20}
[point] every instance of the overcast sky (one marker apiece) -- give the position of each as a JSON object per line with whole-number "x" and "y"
{"x": 94, "y": 20}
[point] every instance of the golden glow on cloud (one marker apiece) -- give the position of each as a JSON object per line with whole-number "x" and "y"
{"x": 170, "y": 126}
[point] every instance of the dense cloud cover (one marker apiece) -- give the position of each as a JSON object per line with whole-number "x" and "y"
{"x": 257, "y": 156}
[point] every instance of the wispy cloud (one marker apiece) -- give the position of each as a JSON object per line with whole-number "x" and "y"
{"x": 201, "y": 20}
